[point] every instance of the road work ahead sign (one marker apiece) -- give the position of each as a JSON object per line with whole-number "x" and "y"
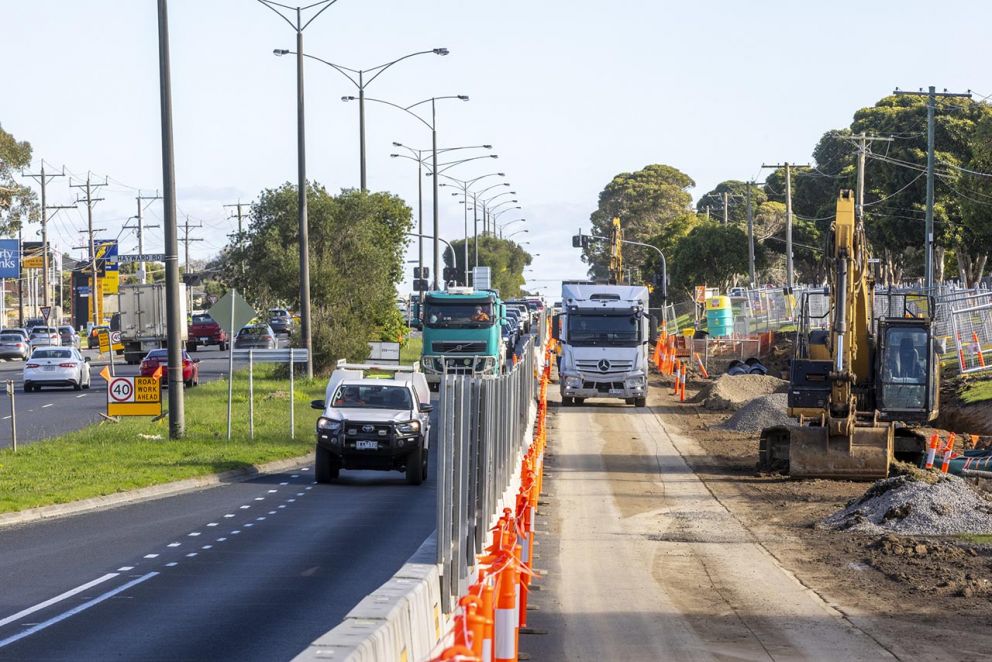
{"x": 134, "y": 396}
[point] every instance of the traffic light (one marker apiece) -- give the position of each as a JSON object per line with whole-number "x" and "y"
{"x": 449, "y": 274}
{"x": 421, "y": 285}
{"x": 421, "y": 272}
{"x": 580, "y": 241}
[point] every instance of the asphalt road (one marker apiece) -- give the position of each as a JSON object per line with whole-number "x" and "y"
{"x": 247, "y": 571}
{"x": 54, "y": 411}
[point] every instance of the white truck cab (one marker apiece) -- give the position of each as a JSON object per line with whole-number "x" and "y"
{"x": 604, "y": 333}
{"x": 371, "y": 422}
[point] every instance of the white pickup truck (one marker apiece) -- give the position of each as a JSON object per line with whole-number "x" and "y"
{"x": 374, "y": 422}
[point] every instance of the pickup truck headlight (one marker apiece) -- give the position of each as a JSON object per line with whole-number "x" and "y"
{"x": 410, "y": 427}
{"x": 573, "y": 382}
{"x": 328, "y": 424}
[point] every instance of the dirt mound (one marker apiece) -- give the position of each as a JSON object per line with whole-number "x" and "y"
{"x": 759, "y": 413}
{"x": 909, "y": 506}
{"x": 733, "y": 392}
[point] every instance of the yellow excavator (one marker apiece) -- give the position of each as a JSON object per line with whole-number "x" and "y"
{"x": 861, "y": 387}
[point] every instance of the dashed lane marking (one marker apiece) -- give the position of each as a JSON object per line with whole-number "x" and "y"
{"x": 151, "y": 556}
{"x": 48, "y": 405}
{"x": 174, "y": 544}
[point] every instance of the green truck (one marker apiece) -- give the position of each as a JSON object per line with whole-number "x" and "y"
{"x": 462, "y": 333}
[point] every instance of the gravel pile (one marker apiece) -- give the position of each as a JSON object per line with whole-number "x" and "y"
{"x": 760, "y": 413}
{"x": 735, "y": 391}
{"x": 909, "y": 506}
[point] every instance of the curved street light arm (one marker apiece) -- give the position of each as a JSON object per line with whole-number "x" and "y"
{"x": 508, "y": 224}
{"x": 398, "y": 107}
{"x": 489, "y": 188}
{"x": 500, "y": 204}
{"x": 383, "y": 67}
{"x": 664, "y": 263}
{"x": 496, "y": 215}
{"x": 500, "y": 195}
{"x": 514, "y": 234}
{"x": 451, "y": 164}
{"x": 460, "y": 97}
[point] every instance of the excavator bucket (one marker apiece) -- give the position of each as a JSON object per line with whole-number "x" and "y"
{"x": 805, "y": 451}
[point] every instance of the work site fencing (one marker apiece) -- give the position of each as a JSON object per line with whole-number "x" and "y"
{"x": 483, "y": 421}
{"x": 972, "y": 333}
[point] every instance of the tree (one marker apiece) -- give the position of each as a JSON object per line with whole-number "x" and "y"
{"x": 737, "y": 200}
{"x": 506, "y": 260}
{"x": 648, "y": 202}
{"x": 974, "y": 241}
{"x": 18, "y": 203}
{"x": 357, "y": 243}
{"x": 712, "y": 254}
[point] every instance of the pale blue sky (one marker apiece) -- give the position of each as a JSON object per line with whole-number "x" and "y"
{"x": 569, "y": 92}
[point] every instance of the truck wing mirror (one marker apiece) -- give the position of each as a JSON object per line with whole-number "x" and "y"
{"x": 317, "y": 404}
{"x": 556, "y": 326}
{"x": 426, "y": 407}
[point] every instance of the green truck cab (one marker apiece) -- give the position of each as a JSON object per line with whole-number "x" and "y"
{"x": 462, "y": 332}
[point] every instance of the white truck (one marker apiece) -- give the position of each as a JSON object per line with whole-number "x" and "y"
{"x": 604, "y": 333}
{"x": 374, "y": 423}
{"x": 142, "y": 321}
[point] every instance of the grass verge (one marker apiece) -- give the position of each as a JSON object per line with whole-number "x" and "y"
{"x": 411, "y": 350}
{"x": 107, "y": 458}
{"x": 975, "y": 390}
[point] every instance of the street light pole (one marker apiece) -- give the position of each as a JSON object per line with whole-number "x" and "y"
{"x": 361, "y": 130}
{"x": 437, "y": 221}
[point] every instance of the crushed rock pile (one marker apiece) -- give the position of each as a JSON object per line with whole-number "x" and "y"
{"x": 760, "y": 413}
{"x": 733, "y": 392}
{"x": 909, "y": 506}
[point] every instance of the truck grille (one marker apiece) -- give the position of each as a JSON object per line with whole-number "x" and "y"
{"x": 612, "y": 367}
{"x": 463, "y": 347}
{"x": 368, "y": 430}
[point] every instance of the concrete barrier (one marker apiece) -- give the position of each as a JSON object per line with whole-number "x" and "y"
{"x": 400, "y": 621}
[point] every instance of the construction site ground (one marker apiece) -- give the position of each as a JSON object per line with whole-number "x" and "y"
{"x": 659, "y": 540}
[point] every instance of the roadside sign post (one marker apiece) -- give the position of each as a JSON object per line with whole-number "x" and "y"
{"x": 292, "y": 357}
{"x": 106, "y": 345}
{"x": 292, "y": 399}
{"x": 235, "y": 312}
{"x": 46, "y": 312}
{"x": 251, "y": 394}
{"x": 13, "y": 415}
{"x": 134, "y": 396}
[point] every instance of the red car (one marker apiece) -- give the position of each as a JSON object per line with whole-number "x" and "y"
{"x": 203, "y": 330}
{"x": 160, "y": 357}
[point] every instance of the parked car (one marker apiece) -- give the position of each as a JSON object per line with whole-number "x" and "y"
{"x": 45, "y": 336}
{"x": 14, "y": 345}
{"x": 69, "y": 336}
{"x": 56, "y": 366}
{"x": 204, "y": 330}
{"x": 160, "y": 357}
{"x": 93, "y": 337}
{"x": 372, "y": 423}
{"x": 255, "y": 336}
{"x": 280, "y": 321}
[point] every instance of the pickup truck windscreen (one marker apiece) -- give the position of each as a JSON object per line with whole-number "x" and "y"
{"x": 461, "y": 315}
{"x": 602, "y": 329}
{"x": 371, "y": 397}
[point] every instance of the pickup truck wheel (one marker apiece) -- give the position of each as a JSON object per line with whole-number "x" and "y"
{"x": 640, "y": 402}
{"x": 579, "y": 401}
{"x": 415, "y": 468}
{"x": 567, "y": 401}
{"x": 324, "y": 468}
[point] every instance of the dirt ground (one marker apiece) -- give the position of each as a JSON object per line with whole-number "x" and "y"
{"x": 947, "y": 582}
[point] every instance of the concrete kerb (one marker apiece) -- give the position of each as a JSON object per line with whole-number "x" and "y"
{"x": 148, "y": 493}
{"x": 402, "y": 619}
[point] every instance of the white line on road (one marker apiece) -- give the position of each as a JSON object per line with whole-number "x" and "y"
{"x": 212, "y": 524}
{"x": 245, "y": 507}
{"x": 272, "y": 512}
{"x": 75, "y": 610}
{"x": 260, "y": 519}
{"x": 273, "y": 491}
{"x": 207, "y": 547}
{"x": 172, "y": 564}
{"x": 125, "y": 568}
{"x": 259, "y": 498}
{"x": 229, "y": 515}
{"x": 151, "y": 556}
{"x": 58, "y": 598}
{"x": 6, "y": 418}
{"x": 191, "y": 554}
{"x": 282, "y": 505}
{"x": 284, "y": 483}
{"x": 174, "y": 544}
{"x": 235, "y": 532}
{"x": 249, "y": 524}
{"x": 194, "y": 534}
{"x": 81, "y": 396}
{"x": 48, "y": 405}
{"x": 221, "y": 539}
{"x": 295, "y": 476}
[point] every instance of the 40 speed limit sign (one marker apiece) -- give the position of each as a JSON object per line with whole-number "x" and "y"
{"x": 134, "y": 396}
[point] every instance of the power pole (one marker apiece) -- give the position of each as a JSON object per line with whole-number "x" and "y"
{"x": 725, "y": 205}
{"x": 187, "y": 239}
{"x": 750, "y": 237}
{"x": 140, "y": 228}
{"x": 43, "y": 179}
{"x": 239, "y": 214}
{"x": 707, "y": 213}
{"x": 789, "y": 280}
{"x": 931, "y": 95}
{"x": 89, "y": 186}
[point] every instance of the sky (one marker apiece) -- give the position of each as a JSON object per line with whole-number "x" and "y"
{"x": 569, "y": 92}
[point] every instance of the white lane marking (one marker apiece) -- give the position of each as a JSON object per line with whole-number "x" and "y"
{"x": 284, "y": 483}
{"x": 291, "y": 500}
{"x": 75, "y": 610}
{"x": 235, "y": 532}
{"x": 174, "y": 544}
{"x": 172, "y": 564}
{"x": 272, "y": 512}
{"x": 259, "y": 498}
{"x": 212, "y": 524}
{"x": 125, "y": 568}
{"x": 6, "y": 418}
{"x": 299, "y": 494}
{"x": 222, "y": 539}
{"x": 194, "y": 534}
{"x": 249, "y": 524}
{"x": 229, "y": 515}
{"x": 245, "y": 507}
{"x": 260, "y": 519}
{"x": 308, "y": 487}
{"x": 273, "y": 491}
{"x": 305, "y": 469}
{"x": 81, "y": 396}
{"x": 207, "y": 547}
{"x": 48, "y": 405}
{"x": 151, "y": 556}
{"x": 58, "y": 598}
{"x": 282, "y": 505}
{"x": 191, "y": 554}
{"x": 295, "y": 476}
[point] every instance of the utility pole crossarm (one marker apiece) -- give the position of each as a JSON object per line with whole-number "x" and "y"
{"x": 789, "y": 275}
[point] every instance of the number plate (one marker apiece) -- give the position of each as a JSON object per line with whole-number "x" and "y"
{"x": 366, "y": 445}
{"x": 204, "y": 339}
{"x": 48, "y": 367}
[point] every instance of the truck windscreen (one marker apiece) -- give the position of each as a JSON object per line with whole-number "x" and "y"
{"x": 461, "y": 315}
{"x": 588, "y": 329}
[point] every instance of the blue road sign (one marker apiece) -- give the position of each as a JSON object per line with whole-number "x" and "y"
{"x": 10, "y": 258}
